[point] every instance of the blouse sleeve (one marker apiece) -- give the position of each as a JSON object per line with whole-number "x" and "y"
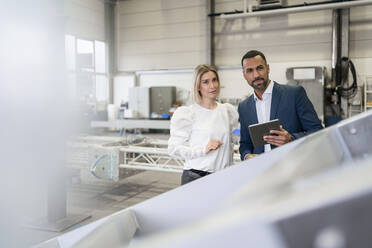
{"x": 233, "y": 117}
{"x": 180, "y": 131}
{"x": 233, "y": 124}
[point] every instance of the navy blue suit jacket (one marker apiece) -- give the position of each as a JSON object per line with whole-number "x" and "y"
{"x": 290, "y": 105}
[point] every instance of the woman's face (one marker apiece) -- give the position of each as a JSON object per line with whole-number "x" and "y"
{"x": 209, "y": 85}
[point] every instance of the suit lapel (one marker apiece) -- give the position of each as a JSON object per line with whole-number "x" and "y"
{"x": 275, "y": 100}
{"x": 252, "y": 105}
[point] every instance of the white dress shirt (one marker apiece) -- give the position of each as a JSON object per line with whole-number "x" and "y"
{"x": 263, "y": 108}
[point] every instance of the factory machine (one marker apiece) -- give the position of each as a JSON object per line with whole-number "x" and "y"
{"x": 313, "y": 81}
{"x": 313, "y": 192}
{"x": 326, "y": 94}
{"x": 148, "y": 101}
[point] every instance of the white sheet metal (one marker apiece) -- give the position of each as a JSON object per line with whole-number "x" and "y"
{"x": 240, "y": 206}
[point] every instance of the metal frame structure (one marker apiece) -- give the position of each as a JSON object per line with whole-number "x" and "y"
{"x": 104, "y": 157}
{"x": 149, "y": 158}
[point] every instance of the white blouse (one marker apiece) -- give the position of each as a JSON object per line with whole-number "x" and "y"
{"x": 191, "y": 129}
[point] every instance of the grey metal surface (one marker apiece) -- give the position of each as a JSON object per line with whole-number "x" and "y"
{"x": 357, "y": 136}
{"x": 320, "y": 172}
{"x": 342, "y": 224}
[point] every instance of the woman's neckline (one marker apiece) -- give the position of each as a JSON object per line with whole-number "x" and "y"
{"x": 206, "y": 108}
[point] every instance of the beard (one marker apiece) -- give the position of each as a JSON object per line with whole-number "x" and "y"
{"x": 259, "y": 87}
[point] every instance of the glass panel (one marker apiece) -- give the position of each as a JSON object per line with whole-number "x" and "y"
{"x": 85, "y": 88}
{"x": 84, "y": 46}
{"x": 70, "y": 52}
{"x": 85, "y": 60}
{"x": 71, "y": 82}
{"x": 100, "y": 56}
{"x": 101, "y": 88}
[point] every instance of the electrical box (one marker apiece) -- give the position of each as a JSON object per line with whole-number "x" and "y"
{"x": 312, "y": 78}
{"x": 162, "y": 99}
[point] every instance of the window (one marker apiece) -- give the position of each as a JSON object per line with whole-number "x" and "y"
{"x": 86, "y": 65}
{"x": 84, "y": 55}
{"x": 100, "y": 56}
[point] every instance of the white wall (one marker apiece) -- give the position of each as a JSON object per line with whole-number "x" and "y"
{"x": 160, "y": 34}
{"x": 284, "y": 38}
{"x": 85, "y": 19}
{"x": 122, "y": 83}
{"x": 155, "y": 34}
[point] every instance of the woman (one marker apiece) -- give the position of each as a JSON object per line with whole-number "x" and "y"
{"x": 202, "y": 133}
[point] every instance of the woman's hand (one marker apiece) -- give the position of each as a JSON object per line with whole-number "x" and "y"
{"x": 213, "y": 144}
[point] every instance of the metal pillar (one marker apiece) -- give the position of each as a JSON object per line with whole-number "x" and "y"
{"x": 110, "y": 48}
{"x": 340, "y": 48}
{"x": 210, "y": 33}
{"x": 344, "y": 50}
{"x": 336, "y": 108}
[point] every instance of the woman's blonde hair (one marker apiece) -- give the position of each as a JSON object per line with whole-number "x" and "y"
{"x": 198, "y": 73}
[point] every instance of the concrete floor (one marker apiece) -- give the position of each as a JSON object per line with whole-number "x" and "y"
{"x": 102, "y": 199}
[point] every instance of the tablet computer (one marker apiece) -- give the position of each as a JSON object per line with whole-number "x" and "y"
{"x": 257, "y": 131}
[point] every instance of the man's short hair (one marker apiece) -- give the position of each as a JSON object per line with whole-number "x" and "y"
{"x": 252, "y": 54}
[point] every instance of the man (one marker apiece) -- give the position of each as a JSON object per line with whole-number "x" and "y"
{"x": 270, "y": 101}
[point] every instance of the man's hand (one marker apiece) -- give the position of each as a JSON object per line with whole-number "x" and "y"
{"x": 279, "y": 137}
{"x": 213, "y": 144}
{"x": 250, "y": 155}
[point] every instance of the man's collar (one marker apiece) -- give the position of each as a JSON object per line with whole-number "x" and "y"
{"x": 269, "y": 90}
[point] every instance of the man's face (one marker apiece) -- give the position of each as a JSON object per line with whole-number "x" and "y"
{"x": 256, "y": 72}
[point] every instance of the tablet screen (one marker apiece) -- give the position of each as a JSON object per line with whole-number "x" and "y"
{"x": 257, "y": 131}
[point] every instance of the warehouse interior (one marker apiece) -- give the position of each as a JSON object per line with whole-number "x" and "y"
{"x": 88, "y": 92}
